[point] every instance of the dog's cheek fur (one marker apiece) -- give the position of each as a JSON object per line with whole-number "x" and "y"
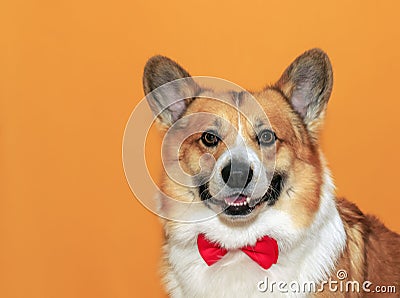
{"x": 189, "y": 155}
{"x": 302, "y": 191}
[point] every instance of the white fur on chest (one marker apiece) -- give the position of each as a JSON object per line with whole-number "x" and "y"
{"x": 236, "y": 275}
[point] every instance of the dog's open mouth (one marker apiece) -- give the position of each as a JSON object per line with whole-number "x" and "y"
{"x": 242, "y": 205}
{"x": 238, "y": 205}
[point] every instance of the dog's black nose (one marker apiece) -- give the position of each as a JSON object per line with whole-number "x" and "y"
{"x": 237, "y": 177}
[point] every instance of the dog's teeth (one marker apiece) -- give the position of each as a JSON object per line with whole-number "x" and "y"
{"x": 237, "y": 204}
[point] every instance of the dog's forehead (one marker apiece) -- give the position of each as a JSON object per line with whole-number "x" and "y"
{"x": 235, "y": 108}
{"x": 217, "y": 108}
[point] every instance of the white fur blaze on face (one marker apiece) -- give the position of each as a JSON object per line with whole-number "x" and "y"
{"x": 240, "y": 151}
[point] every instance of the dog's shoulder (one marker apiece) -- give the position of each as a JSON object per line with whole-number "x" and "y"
{"x": 382, "y": 254}
{"x": 371, "y": 251}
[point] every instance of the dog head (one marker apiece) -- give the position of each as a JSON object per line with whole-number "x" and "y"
{"x": 241, "y": 153}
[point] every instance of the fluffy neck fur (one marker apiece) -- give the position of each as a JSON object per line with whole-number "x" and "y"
{"x": 306, "y": 255}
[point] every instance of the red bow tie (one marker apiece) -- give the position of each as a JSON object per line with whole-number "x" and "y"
{"x": 265, "y": 252}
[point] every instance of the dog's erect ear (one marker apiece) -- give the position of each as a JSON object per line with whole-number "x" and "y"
{"x": 307, "y": 83}
{"x": 170, "y": 101}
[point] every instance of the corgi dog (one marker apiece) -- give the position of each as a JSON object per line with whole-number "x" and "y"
{"x": 264, "y": 218}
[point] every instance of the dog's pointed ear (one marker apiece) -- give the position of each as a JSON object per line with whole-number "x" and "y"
{"x": 307, "y": 83}
{"x": 169, "y": 89}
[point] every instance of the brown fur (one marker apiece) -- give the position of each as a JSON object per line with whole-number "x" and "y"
{"x": 371, "y": 253}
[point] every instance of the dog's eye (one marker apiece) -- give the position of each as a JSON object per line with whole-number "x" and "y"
{"x": 266, "y": 137}
{"x": 210, "y": 139}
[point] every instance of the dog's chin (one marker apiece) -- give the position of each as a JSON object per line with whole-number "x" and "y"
{"x": 240, "y": 207}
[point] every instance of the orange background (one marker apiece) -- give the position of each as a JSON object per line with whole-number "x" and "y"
{"x": 70, "y": 75}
